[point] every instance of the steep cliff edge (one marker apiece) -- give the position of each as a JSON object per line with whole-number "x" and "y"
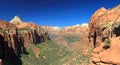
{"x": 104, "y": 32}
{"x": 104, "y": 22}
{"x": 16, "y": 35}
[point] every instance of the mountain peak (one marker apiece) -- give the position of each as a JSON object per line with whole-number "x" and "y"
{"x": 16, "y": 19}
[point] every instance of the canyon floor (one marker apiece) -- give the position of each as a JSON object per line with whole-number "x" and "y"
{"x": 59, "y": 50}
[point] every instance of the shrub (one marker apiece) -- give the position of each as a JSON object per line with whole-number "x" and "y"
{"x": 107, "y": 44}
{"x": 1, "y": 29}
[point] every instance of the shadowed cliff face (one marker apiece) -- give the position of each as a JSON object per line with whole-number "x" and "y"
{"x": 13, "y": 39}
{"x": 104, "y": 28}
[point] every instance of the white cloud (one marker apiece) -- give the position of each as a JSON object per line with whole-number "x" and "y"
{"x": 84, "y": 24}
{"x": 56, "y": 27}
{"x": 77, "y": 25}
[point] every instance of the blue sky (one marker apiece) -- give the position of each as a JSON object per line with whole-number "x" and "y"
{"x": 53, "y": 12}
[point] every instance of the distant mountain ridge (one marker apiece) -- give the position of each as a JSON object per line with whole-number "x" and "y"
{"x": 75, "y": 29}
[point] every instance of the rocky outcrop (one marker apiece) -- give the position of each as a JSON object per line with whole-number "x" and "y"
{"x": 14, "y": 37}
{"x": 18, "y": 41}
{"x": 104, "y": 24}
{"x": 16, "y": 19}
{"x": 5, "y": 25}
{"x": 20, "y": 24}
{"x": 110, "y": 56}
{"x": 104, "y": 35}
{"x": 7, "y": 47}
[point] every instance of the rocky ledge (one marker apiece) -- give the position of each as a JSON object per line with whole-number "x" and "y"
{"x": 104, "y": 32}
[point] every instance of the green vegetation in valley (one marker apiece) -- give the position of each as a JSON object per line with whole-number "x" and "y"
{"x": 49, "y": 50}
{"x": 53, "y": 54}
{"x": 71, "y": 39}
{"x": 53, "y": 36}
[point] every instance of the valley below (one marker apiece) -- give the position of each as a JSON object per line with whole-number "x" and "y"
{"x": 59, "y": 52}
{"x": 95, "y": 43}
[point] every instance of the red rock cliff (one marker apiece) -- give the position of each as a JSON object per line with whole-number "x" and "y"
{"x": 104, "y": 22}
{"x": 14, "y": 37}
{"x": 104, "y": 27}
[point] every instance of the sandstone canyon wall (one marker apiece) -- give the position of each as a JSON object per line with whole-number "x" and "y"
{"x": 16, "y": 35}
{"x": 104, "y": 27}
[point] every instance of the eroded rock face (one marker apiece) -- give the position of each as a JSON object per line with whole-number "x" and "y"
{"x": 14, "y": 38}
{"x": 107, "y": 56}
{"x": 6, "y": 49}
{"x": 105, "y": 25}
{"x": 6, "y": 25}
